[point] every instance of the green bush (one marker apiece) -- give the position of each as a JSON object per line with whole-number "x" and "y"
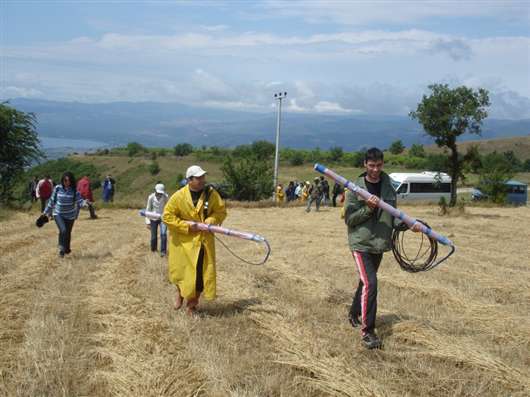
{"x": 496, "y": 170}
{"x": 336, "y": 153}
{"x": 153, "y": 168}
{"x": 297, "y": 158}
{"x": 134, "y": 148}
{"x": 183, "y": 149}
{"x": 417, "y": 150}
{"x": 56, "y": 168}
{"x": 248, "y": 178}
{"x": 396, "y": 147}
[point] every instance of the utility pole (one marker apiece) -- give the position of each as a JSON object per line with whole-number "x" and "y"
{"x": 279, "y": 96}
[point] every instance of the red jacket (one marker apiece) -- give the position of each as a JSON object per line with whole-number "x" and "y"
{"x": 83, "y": 187}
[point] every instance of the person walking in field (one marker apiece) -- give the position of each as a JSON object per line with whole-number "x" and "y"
{"x": 337, "y": 191}
{"x": 369, "y": 236}
{"x": 84, "y": 189}
{"x": 64, "y": 205}
{"x": 44, "y": 191}
{"x": 298, "y": 191}
{"x": 315, "y": 195}
{"x": 109, "y": 187}
{"x": 32, "y": 189}
{"x": 156, "y": 202}
{"x": 192, "y": 252}
{"x": 280, "y": 194}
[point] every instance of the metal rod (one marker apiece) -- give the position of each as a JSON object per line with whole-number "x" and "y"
{"x": 384, "y": 206}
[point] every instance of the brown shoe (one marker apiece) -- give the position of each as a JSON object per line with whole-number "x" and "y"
{"x": 191, "y": 305}
{"x": 178, "y": 300}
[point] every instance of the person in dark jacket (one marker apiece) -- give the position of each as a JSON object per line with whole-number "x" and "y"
{"x": 369, "y": 236}
{"x": 337, "y": 190}
{"x": 109, "y": 188}
{"x": 315, "y": 194}
{"x": 64, "y": 204}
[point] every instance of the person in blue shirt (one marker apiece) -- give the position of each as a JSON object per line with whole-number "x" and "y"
{"x": 109, "y": 187}
{"x": 64, "y": 205}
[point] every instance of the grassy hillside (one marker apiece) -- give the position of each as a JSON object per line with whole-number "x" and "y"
{"x": 101, "y": 323}
{"x": 520, "y": 146}
{"x": 134, "y": 182}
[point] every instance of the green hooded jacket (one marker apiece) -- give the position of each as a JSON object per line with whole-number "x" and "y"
{"x": 370, "y": 230}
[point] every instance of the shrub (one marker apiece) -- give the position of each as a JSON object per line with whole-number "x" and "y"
{"x": 297, "y": 158}
{"x": 335, "y": 153}
{"x": 134, "y": 148}
{"x": 248, "y": 179}
{"x": 396, "y": 147}
{"x": 153, "y": 168}
{"x": 417, "y": 150}
{"x": 183, "y": 149}
{"x": 496, "y": 170}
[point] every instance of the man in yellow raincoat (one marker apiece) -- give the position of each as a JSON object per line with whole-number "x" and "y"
{"x": 192, "y": 252}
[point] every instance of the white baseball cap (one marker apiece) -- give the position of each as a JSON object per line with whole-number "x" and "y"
{"x": 160, "y": 188}
{"x": 194, "y": 170}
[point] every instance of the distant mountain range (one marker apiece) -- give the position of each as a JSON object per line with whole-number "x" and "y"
{"x": 166, "y": 124}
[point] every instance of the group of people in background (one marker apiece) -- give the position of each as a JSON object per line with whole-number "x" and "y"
{"x": 64, "y": 200}
{"x": 317, "y": 192}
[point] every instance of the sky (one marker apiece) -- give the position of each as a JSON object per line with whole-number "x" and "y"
{"x": 331, "y": 57}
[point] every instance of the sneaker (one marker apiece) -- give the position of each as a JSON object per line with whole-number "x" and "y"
{"x": 354, "y": 320}
{"x": 67, "y": 251}
{"x": 371, "y": 341}
{"x": 61, "y": 254}
{"x": 162, "y": 254}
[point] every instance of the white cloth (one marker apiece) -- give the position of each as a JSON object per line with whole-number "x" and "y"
{"x": 156, "y": 205}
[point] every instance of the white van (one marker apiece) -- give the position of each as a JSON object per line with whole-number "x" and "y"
{"x": 422, "y": 186}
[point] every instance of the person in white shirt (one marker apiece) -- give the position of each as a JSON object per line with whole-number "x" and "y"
{"x": 156, "y": 203}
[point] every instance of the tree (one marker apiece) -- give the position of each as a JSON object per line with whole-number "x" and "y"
{"x": 335, "y": 153}
{"x": 448, "y": 113}
{"x": 248, "y": 179}
{"x": 183, "y": 149}
{"x": 19, "y": 147}
{"x": 396, "y": 147}
{"x": 417, "y": 150}
{"x": 263, "y": 150}
{"x": 297, "y": 158}
{"x": 495, "y": 172}
{"x": 134, "y": 148}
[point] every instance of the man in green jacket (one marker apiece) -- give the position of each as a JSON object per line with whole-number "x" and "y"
{"x": 369, "y": 236}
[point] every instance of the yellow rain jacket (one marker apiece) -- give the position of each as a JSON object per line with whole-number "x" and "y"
{"x": 280, "y": 195}
{"x": 185, "y": 245}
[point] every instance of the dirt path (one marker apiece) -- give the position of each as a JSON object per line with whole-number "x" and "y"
{"x": 100, "y": 322}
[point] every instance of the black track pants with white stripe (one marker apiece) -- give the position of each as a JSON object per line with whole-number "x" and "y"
{"x": 364, "y": 303}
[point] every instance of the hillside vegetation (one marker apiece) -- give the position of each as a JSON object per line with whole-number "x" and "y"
{"x": 101, "y": 323}
{"x": 520, "y": 145}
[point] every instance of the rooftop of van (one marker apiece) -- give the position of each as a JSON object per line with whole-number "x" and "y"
{"x": 425, "y": 176}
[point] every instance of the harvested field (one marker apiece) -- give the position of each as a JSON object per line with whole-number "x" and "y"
{"x": 100, "y": 322}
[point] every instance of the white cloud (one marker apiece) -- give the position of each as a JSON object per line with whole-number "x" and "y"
{"x": 331, "y": 107}
{"x": 19, "y": 92}
{"x": 294, "y": 107}
{"x": 214, "y": 28}
{"x": 395, "y": 12}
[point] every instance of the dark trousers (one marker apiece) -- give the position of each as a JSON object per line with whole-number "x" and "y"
{"x": 43, "y": 203}
{"x": 154, "y": 235}
{"x": 365, "y": 300}
{"x": 199, "y": 281}
{"x": 92, "y": 210}
{"x": 334, "y": 199}
{"x": 65, "y": 232}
